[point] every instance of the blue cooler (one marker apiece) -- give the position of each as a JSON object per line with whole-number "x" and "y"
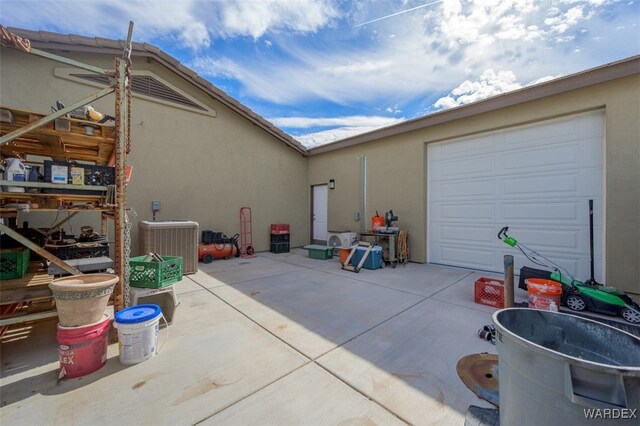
{"x": 373, "y": 260}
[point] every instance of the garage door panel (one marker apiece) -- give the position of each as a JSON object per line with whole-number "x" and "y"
{"x": 545, "y": 239}
{"x": 536, "y": 179}
{"x": 552, "y": 158}
{"x": 467, "y": 234}
{"x": 473, "y": 257}
{"x": 480, "y": 146}
{"x": 482, "y": 165}
{"x": 540, "y": 211}
{"x": 473, "y": 211}
{"x": 536, "y": 135}
{"x": 564, "y": 182}
{"x": 467, "y": 188}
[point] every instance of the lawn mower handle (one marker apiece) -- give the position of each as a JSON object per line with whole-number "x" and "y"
{"x": 503, "y": 231}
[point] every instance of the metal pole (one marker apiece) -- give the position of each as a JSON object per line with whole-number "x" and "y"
{"x": 68, "y": 61}
{"x": 508, "y": 281}
{"x": 122, "y": 117}
{"x": 364, "y": 194}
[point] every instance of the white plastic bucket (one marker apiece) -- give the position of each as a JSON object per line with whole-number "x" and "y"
{"x": 138, "y": 328}
{"x": 16, "y": 172}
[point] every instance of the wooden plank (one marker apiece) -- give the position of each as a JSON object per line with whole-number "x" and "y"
{"x": 33, "y": 286}
{"x": 42, "y": 252}
{"x": 49, "y": 118}
{"x": 26, "y": 318}
{"x": 53, "y": 185}
{"x": 61, "y": 145}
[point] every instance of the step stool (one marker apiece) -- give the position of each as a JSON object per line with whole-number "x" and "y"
{"x": 164, "y": 297}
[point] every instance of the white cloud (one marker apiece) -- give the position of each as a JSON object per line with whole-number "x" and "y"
{"x": 344, "y": 127}
{"x": 358, "y": 67}
{"x": 312, "y": 140}
{"x": 350, "y": 121}
{"x": 430, "y": 48}
{"x": 192, "y": 23}
{"x": 255, "y": 18}
{"x": 489, "y": 84}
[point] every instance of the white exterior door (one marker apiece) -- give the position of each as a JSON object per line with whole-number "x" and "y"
{"x": 536, "y": 179}
{"x": 320, "y": 205}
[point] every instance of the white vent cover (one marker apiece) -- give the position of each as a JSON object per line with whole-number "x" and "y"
{"x": 172, "y": 238}
{"x": 341, "y": 239}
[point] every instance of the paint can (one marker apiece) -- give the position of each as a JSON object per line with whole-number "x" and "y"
{"x": 138, "y": 332}
{"x": 83, "y": 350}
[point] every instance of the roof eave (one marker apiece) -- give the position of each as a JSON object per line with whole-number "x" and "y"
{"x": 612, "y": 71}
{"x": 75, "y": 43}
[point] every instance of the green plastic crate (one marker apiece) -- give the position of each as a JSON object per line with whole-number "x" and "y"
{"x": 279, "y": 247}
{"x": 14, "y": 263}
{"x": 150, "y": 274}
{"x": 319, "y": 252}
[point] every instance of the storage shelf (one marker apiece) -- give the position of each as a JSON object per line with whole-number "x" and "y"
{"x": 52, "y": 186}
{"x": 33, "y": 286}
{"x": 61, "y": 145}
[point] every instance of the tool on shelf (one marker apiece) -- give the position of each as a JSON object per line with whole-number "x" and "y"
{"x": 388, "y": 227}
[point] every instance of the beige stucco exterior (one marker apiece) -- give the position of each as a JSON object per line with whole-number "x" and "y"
{"x": 201, "y": 168}
{"x": 396, "y": 177}
{"x": 204, "y": 167}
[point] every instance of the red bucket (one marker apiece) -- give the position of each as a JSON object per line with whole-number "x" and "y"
{"x": 83, "y": 350}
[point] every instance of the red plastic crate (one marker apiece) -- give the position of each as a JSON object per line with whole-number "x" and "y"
{"x": 279, "y": 228}
{"x": 490, "y": 292}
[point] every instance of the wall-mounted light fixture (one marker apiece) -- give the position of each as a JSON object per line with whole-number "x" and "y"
{"x": 332, "y": 184}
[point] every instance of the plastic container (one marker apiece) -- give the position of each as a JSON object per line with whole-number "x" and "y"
{"x": 82, "y": 299}
{"x": 17, "y": 172}
{"x": 544, "y": 294}
{"x": 344, "y": 254}
{"x": 373, "y": 261}
{"x": 319, "y": 252}
{"x": 83, "y": 350}
{"x": 138, "y": 332}
{"x": 489, "y": 291}
{"x": 377, "y": 222}
{"x": 555, "y": 368}
{"x": 279, "y": 248}
{"x": 279, "y": 228}
{"x": 14, "y": 263}
{"x": 151, "y": 274}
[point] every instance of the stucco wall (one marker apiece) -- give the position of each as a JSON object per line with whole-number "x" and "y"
{"x": 201, "y": 168}
{"x": 397, "y": 170}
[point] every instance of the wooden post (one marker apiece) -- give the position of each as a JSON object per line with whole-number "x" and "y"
{"x": 508, "y": 281}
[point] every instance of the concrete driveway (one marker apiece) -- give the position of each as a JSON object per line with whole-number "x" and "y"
{"x": 275, "y": 339}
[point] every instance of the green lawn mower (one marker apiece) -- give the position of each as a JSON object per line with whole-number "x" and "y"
{"x": 576, "y": 295}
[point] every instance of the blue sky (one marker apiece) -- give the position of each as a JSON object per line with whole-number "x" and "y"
{"x": 327, "y": 69}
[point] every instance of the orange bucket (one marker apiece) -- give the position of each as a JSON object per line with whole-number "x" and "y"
{"x": 344, "y": 254}
{"x": 544, "y": 294}
{"x": 377, "y": 222}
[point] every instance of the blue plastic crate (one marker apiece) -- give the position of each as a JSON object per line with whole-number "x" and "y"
{"x": 373, "y": 261}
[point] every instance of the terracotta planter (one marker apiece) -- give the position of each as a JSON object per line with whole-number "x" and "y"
{"x": 82, "y": 299}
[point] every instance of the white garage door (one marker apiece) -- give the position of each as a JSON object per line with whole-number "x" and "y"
{"x": 536, "y": 179}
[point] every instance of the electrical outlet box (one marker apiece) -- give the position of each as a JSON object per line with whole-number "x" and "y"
{"x": 155, "y": 206}
{"x": 356, "y": 216}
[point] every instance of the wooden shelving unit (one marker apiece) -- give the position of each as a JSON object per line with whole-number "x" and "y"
{"x": 66, "y": 140}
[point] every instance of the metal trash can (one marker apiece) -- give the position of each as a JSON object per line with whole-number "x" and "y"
{"x": 562, "y": 369}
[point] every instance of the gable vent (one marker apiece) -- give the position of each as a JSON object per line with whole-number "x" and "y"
{"x": 148, "y": 86}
